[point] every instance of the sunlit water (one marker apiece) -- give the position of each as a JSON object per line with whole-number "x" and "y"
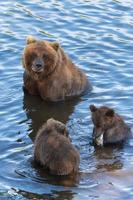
{"x": 98, "y": 36}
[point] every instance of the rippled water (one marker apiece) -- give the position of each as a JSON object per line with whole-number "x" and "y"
{"x": 98, "y": 36}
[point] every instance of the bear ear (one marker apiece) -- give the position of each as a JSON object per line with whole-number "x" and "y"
{"x": 55, "y": 45}
{"x": 110, "y": 113}
{"x": 93, "y": 108}
{"x": 30, "y": 39}
{"x": 61, "y": 128}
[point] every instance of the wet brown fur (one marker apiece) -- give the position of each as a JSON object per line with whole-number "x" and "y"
{"x": 53, "y": 149}
{"x": 60, "y": 77}
{"x": 109, "y": 123}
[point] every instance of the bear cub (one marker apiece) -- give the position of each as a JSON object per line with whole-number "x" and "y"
{"x": 109, "y": 127}
{"x": 53, "y": 149}
{"x": 50, "y": 73}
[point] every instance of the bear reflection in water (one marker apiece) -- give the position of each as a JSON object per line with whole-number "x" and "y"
{"x": 39, "y": 111}
{"x": 108, "y": 158}
{"x": 54, "y": 195}
{"x": 53, "y": 149}
{"x": 109, "y": 127}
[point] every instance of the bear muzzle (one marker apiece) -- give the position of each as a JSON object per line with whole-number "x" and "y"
{"x": 38, "y": 66}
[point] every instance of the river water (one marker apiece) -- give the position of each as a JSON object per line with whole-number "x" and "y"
{"x": 98, "y": 37}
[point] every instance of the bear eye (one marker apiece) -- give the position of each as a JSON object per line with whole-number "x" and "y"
{"x": 45, "y": 56}
{"x": 32, "y": 56}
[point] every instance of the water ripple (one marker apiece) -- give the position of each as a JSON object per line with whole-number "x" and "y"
{"x": 98, "y": 36}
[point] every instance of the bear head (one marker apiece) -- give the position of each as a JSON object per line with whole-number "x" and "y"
{"x": 40, "y": 57}
{"x": 103, "y": 119}
{"x": 54, "y": 126}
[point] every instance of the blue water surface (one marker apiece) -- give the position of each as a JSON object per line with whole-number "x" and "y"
{"x": 98, "y": 37}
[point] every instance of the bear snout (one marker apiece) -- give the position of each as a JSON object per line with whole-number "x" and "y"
{"x": 38, "y": 65}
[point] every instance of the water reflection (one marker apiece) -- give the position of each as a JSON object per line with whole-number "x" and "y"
{"x": 109, "y": 158}
{"x": 98, "y": 38}
{"x": 58, "y": 195}
{"x": 38, "y": 111}
{"x": 42, "y": 176}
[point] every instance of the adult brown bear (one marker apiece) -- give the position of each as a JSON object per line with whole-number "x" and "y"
{"x": 54, "y": 150}
{"x": 109, "y": 127}
{"x": 50, "y": 73}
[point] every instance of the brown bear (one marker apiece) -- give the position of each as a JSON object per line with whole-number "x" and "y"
{"x": 50, "y": 73}
{"x": 109, "y": 127}
{"x": 53, "y": 149}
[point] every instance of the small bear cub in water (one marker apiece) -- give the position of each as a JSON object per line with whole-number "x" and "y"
{"x": 109, "y": 127}
{"x": 53, "y": 149}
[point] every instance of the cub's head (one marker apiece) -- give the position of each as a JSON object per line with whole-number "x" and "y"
{"x": 40, "y": 57}
{"x": 53, "y": 125}
{"x": 103, "y": 119}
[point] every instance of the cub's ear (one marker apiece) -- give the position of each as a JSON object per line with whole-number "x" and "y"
{"x": 93, "y": 108}
{"x": 110, "y": 113}
{"x": 30, "y": 39}
{"x": 61, "y": 128}
{"x": 55, "y": 45}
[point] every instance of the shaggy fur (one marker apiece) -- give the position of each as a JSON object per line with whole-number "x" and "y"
{"x": 50, "y": 73}
{"x": 53, "y": 149}
{"x": 109, "y": 127}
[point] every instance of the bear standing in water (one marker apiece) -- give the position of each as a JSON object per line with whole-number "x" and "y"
{"x": 54, "y": 151}
{"x": 109, "y": 127}
{"x": 50, "y": 73}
